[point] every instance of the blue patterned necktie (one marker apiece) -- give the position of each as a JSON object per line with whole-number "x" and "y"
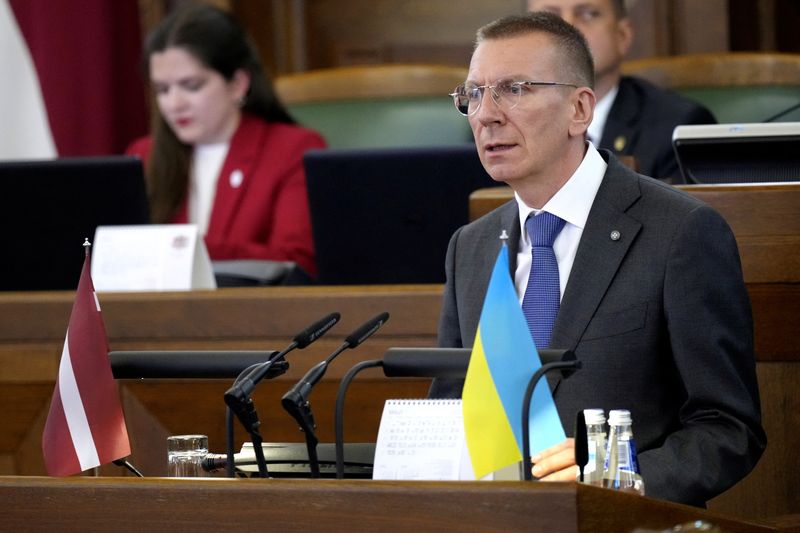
{"x": 542, "y": 295}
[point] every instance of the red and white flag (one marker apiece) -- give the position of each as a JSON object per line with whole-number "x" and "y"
{"x": 85, "y": 427}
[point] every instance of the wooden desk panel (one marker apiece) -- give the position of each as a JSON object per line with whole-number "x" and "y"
{"x": 128, "y": 504}
{"x": 33, "y": 326}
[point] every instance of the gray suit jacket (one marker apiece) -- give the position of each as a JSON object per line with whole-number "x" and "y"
{"x": 660, "y": 319}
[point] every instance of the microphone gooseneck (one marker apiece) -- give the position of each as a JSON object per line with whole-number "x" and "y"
{"x": 251, "y": 377}
{"x": 567, "y": 365}
{"x": 302, "y": 389}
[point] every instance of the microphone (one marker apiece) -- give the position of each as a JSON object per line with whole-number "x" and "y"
{"x": 250, "y": 377}
{"x": 581, "y": 443}
{"x": 298, "y": 395}
{"x": 237, "y": 397}
{"x": 295, "y": 401}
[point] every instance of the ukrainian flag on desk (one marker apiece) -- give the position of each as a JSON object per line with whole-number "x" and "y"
{"x": 503, "y": 360}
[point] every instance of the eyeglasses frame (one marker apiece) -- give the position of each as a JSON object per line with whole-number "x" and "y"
{"x": 496, "y": 97}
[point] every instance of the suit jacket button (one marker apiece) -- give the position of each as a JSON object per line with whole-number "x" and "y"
{"x": 615, "y": 235}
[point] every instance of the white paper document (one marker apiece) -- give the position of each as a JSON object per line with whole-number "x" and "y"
{"x": 155, "y": 257}
{"x": 420, "y": 440}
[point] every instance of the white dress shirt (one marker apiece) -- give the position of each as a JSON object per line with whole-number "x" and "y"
{"x": 207, "y": 160}
{"x": 571, "y": 203}
{"x": 601, "y": 110}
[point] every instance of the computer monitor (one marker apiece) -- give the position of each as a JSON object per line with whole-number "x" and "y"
{"x": 738, "y": 153}
{"x": 48, "y": 207}
{"x": 386, "y": 215}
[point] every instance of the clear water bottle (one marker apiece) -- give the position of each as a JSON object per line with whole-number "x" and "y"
{"x": 596, "y": 440}
{"x": 621, "y": 469}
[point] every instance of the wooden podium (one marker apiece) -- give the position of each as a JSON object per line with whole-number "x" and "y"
{"x": 156, "y": 504}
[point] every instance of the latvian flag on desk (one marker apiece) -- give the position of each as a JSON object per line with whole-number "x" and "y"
{"x": 85, "y": 427}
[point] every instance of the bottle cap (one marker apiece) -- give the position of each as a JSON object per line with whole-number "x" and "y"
{"x": 617, "y": 417}
{"x": 594, "y": 416}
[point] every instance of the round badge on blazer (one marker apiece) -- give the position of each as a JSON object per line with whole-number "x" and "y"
{"x": 615, "y": 235}
{"x": 619, "y": 143}
{"x": 236, "y": 178}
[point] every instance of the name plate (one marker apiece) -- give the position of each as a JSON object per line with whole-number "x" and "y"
{"x": 153, "y": 257}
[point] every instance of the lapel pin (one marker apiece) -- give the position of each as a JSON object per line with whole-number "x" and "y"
{"x": 615, "y": 235}
{"x": 619, "y": 143}
{"x": 236, "y": 178}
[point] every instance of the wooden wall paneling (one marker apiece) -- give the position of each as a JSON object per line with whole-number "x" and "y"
{"x": 382, "y": 31}
{"x": 699, "y": 27}
{"x": 778, "y": 467}
{"x": 651, "y": 31}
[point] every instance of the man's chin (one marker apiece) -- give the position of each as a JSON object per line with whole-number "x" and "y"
{"x": 502, "y": 174}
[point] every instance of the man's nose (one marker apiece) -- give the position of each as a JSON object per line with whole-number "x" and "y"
{"x": 489, "y": 111}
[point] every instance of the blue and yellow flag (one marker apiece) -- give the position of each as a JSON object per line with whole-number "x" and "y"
{"x": 503, "y": 360}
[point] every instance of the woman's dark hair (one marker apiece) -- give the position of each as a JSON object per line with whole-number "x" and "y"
{"x": 220, "y": 43}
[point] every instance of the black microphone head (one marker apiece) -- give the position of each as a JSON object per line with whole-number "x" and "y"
{"x": 366, "y": 330}
{"x": 581, "y": 441}
{"x": 316, "y": 330}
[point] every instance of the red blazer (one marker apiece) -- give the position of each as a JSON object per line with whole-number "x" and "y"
{"x": 265, "y": 214}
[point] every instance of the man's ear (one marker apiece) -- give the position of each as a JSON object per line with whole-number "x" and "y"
{"x": 583, "y": 102}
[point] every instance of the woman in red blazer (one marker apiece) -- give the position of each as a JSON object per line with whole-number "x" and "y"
{"x": 224, "y": 153}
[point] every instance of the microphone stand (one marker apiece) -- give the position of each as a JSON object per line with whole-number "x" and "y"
{"x": 297, "y": 405}
{"x": 230, "y": 468}
{"x": 572, "y": 364}
{"x": 238, "y": 399}
{"x": 241, "y": 404}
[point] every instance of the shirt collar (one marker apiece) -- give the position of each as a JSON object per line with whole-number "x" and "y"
{"x": 601, "y": 111}
{"x": 574, "y": 199}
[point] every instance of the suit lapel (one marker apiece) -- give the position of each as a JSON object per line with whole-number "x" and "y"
{"x": 606, "y": 240}
{"x": 235, "y": 174}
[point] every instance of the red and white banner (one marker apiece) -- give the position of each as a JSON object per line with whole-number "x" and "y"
{"x": 85, "y": 427}
{"x": 71, "y": 78}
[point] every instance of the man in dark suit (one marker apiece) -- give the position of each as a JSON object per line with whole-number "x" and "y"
{"x": 652, "y": 297}
{"x": 633, "y": 117}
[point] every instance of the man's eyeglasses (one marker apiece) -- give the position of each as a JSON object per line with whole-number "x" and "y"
{"x": 506, "y": 94}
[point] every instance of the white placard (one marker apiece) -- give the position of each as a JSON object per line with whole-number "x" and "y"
{"x": 154, "y": 257}
{"x": 420, "y": 440}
